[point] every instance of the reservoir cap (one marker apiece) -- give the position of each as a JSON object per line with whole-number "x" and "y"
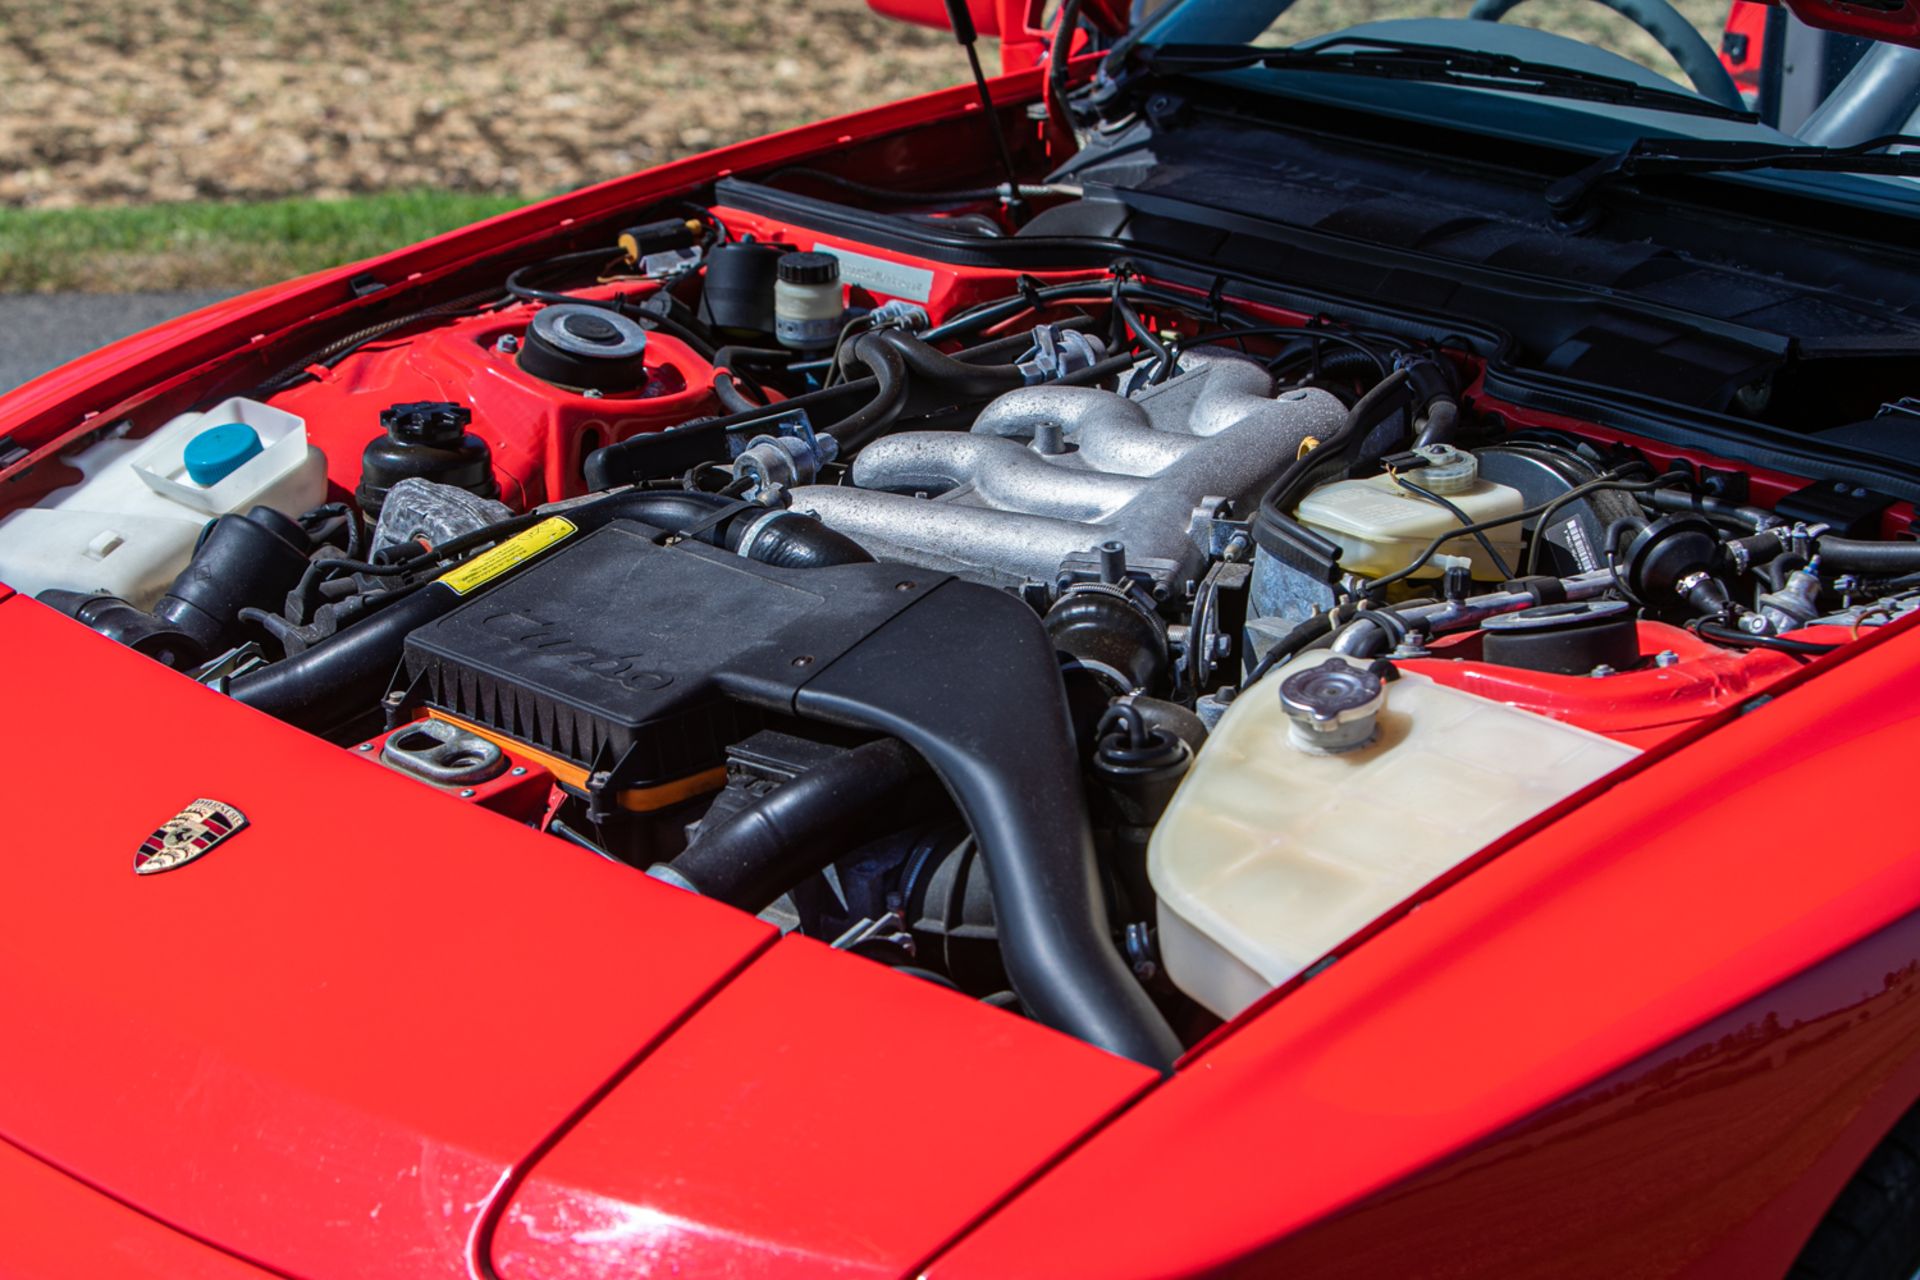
{"x": 218, "y": 452}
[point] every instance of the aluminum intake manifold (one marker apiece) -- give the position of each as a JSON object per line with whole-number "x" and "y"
{"x": 1048, "y": 473}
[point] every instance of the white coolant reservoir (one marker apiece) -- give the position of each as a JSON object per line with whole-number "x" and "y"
{"x": 1380, "y": 525}
{"x": 130, "y": 525}
{"x": 1326, "y": 797}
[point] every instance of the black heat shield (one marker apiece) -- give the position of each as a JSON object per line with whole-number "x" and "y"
{"x": 644, "y": 661}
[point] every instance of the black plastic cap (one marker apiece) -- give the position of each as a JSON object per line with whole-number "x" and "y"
{"x": 426, "y": 421}
{"x": 809, "y": 268}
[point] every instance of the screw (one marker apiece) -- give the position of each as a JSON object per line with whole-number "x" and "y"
{"x": 1666, "y": 658}
{"x": 593, "y": 393}
{"x": 466, "y": 793}
{"x": 519, "y": 771}
{"x": 365, "y": 746}
{"x": 903, "y": 586}
{"x": 507, "y": 344}
{"x": 1602, "y": 670}
{"x": 804, "y": 660}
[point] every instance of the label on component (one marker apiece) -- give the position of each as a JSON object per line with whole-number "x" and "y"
{"x": 509, "y": 555}
{"x": 877, "y": 275}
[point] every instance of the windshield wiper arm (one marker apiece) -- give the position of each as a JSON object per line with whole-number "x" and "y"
{"x": 1569, "y": 197}
{"x": 1431, "y": 64}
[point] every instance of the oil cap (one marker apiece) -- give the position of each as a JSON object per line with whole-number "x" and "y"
{"x": 218, "y": 452}
{"x": 1333, "y": 707}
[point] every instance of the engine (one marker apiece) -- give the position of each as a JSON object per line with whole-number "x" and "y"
{"x": 1088, "y": 646}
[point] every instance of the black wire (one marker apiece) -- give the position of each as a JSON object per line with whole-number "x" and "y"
{"x": 1543, "y": 510}
{"x": 1780, "y": 644}
{"x": 517, "y": 286}
{"x": 1314, "y": 337}
{"x": 1632, "y": 486}
{"x": 1499, "y": 561}
{"x": 1131, "y": 319}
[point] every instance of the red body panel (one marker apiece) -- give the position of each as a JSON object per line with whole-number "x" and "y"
{"x": 537, "y": 433}
{"x": 1697, "y": 889}
{"x": 56, "y": 1228}
{"x": 1644, "y": 706}
{"x": 689, "y": 1168}
{"x": 326, "y": 1043}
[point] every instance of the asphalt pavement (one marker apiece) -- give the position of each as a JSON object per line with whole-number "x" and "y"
{"x": 39, "y": 332}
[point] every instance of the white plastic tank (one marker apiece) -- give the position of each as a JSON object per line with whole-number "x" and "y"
{"x": 130, "y": 525}
{"x": 1380, "y": 525}
{"x": 1326, "y": 797}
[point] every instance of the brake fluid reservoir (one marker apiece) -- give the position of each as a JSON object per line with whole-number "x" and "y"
{"x": 806, "y": 301}
{"x": 1326, "y": 797}
{"x": 1381, "y": 526}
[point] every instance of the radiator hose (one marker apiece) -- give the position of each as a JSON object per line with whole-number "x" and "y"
{"x": 798, "y": 829}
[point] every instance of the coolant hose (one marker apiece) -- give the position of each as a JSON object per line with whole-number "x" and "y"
{"x": 341, "y": 679}
{"x": 969, "y": 679}
{"x": 1677, "y": 500}
{"x": 958, "y": 378}
{"x": 889, "y": 393}
{"x": 750, "y": 859}
{"x": 1880, "y": 559}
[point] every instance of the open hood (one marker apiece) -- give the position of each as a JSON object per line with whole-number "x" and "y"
{"x": 1894, "y": 20}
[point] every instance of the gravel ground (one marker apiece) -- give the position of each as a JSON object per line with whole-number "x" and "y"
{"x": 139, "y": 101}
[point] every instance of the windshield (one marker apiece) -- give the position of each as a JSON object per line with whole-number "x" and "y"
{"x": 1765, "y": 76}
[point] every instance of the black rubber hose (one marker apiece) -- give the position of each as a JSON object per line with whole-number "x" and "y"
{"x": 991, "y": 717}
{"x": 961, "y": 379}
{"x": 1333, "y": 456}
{"x": 790, "y": 540}
{"x": 1442, "y": 424}
{"x": 342, "y": 678}
{"x": 798, "y": 829}
{"x": 1880, "y": 559}
{"x": 726, "y": 389}
{"x": 889, "y": 393}
{"x": 1676, "y": 500}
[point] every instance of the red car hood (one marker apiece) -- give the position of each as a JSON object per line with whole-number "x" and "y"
{"x": 336, "y": 1043}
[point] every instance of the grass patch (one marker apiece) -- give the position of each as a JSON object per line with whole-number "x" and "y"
{"x": 218, "y": 246}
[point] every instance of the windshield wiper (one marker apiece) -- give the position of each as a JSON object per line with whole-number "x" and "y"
{"x": 1429, "y": 64}
{"x": 1569, "y": 197}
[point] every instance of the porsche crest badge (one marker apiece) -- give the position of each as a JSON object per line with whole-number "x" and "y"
{"x": 185, "y": 836}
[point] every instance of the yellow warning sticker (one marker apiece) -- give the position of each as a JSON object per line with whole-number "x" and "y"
{"x": 511, "y": 554}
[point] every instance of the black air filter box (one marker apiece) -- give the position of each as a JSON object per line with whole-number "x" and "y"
{"x": 643, "y": 661}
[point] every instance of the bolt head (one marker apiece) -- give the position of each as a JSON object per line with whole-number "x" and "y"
{"x": 466, "y": 793}
{"x": 1666, "y": 658}
{"x": 506, "y": 344}
{"x": 519, "y": 771}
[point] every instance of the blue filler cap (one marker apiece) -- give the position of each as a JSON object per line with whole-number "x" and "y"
{"x": 218, "y": 452}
